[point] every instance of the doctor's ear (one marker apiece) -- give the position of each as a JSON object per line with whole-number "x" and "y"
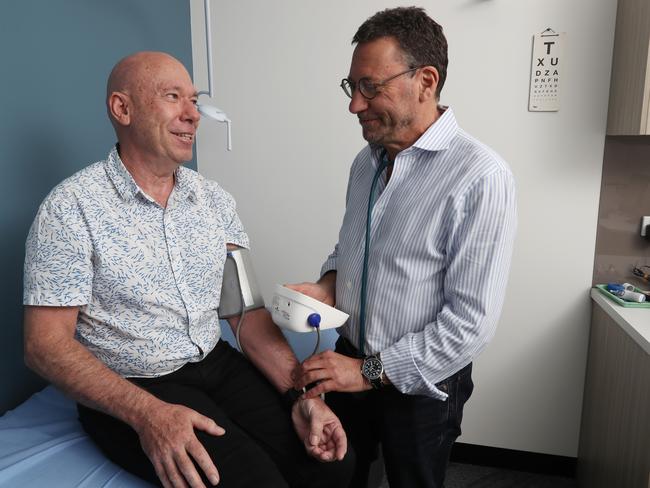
{"x": 119, "y": 107}
{"x": 429, "y": 77}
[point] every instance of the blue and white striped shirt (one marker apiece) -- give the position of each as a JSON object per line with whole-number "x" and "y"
{"x": 440, "y": 246}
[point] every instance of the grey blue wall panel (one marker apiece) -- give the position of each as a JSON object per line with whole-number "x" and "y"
{"x": 55, "y": 58}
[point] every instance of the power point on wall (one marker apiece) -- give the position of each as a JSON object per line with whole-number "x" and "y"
{"x": 645, "y": 226}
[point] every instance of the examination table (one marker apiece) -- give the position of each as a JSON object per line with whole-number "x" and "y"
{"x": 42, "y": 444}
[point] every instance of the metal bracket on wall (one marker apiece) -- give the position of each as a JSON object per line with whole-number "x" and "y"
{"x": 645, "y": 227}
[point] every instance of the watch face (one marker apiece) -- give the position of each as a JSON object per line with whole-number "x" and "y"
{"x": 372, "y": 368}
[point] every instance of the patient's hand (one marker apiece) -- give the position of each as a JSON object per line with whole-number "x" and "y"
{"x": 168, "y": 439}
{"x": 319, "y": 429}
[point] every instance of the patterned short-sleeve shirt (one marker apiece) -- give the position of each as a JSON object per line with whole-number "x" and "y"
{"x": 147, "y": 279}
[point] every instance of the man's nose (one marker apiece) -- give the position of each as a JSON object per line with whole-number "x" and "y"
{"x": 358, "y": 103}
{"x": 191, "y": 112}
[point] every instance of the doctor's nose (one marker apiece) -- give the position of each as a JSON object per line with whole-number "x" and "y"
{"x": 358, "y": 103}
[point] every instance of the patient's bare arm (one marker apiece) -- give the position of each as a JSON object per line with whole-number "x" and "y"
{"x": 166, "y": 431}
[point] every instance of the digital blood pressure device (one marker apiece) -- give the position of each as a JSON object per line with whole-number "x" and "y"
{"x": 291, "y": 310}
{"x": 298, "y": 312}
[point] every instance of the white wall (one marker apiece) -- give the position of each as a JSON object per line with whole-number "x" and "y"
{"x": 278, "y": 66}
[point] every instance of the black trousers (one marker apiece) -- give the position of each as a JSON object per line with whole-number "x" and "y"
{"x": 416, "y": 432}
{"x": 260, "y": 447}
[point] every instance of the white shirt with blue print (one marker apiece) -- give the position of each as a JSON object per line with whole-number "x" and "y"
{"x": 147, "y": 279}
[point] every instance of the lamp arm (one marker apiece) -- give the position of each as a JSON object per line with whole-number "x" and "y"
{"x": 208, "y": 43}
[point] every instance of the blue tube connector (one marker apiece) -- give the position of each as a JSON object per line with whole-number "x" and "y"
{"x": 314, "y": 320}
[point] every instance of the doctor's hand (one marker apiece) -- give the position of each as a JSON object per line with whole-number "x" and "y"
{"x": 168, "y": 439}
{"x": 320, "y": 430}
{"x": 333, "y": 372}
{"x": 323, "y": 291}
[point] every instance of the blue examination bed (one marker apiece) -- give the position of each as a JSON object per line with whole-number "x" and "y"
{"x": 42, "y": 444}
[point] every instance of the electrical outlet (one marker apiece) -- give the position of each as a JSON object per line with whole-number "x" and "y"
{"x": 645, "y": 224}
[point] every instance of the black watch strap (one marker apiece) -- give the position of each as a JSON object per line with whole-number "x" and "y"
{"x": 376, "y": 383}
{"x": 290, "y": 397}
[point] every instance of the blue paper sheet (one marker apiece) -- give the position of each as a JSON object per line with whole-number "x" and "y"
{"x": 43, "y": 444}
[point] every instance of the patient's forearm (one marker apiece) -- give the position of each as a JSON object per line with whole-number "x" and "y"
{"x": 52, "y": 352}
{"x": 265, "y": 346}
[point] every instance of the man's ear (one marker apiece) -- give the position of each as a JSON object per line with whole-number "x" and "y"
{"x": 119, "y": 108}
{"x": 429, "y": 82}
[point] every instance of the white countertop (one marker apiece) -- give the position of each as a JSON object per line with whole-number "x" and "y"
{"x": 634, "y": 321}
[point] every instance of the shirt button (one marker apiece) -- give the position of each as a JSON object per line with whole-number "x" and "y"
{"x": 349, "y": 285}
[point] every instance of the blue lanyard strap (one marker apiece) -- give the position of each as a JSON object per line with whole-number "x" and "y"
{"x": 364, "y": 275}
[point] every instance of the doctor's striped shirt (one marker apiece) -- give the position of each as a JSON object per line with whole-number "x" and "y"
{"x": 441, "y": 240}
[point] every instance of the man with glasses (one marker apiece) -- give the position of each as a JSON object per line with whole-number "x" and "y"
{"x": 422, "y": 259}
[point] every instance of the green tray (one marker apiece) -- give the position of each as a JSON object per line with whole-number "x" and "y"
{"x": 623, "y": 303}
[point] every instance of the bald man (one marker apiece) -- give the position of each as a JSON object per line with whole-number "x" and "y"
{"x": 123, "y": 265}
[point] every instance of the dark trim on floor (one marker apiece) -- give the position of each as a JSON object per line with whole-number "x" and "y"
{"x": 517, "y": 460}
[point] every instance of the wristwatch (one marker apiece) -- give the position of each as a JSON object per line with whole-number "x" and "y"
{"x": 372, "y": 369}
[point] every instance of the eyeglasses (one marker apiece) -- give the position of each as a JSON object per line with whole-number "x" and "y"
{"x": 367, "y": 88}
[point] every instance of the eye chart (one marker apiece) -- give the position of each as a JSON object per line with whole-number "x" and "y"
{"x": 546, "y": 71}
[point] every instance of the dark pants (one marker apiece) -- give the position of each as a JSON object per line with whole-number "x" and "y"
{"x": 416, "y": 432}
{"x": 260, "y": 446}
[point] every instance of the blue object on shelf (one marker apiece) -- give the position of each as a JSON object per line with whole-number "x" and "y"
{"x": 615, "y": 287}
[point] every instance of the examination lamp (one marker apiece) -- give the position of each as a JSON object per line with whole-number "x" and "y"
{"x": 210, "y": 111}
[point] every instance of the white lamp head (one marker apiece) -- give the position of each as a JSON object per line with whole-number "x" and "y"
{"x": 214, "y": 113}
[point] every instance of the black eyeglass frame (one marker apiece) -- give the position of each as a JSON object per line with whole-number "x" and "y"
{"x": 348, "y": 86}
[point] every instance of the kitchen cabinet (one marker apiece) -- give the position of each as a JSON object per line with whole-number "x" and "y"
{"x": 629, "y": 96}
{"x": 614, "y": 446}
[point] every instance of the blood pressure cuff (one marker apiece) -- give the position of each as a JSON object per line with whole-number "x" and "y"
{"x": 239, "y": 289}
